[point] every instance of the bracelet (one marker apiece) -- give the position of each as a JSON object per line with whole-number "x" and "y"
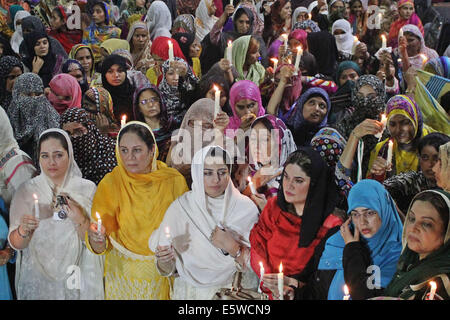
{"x": 24, "y": 237}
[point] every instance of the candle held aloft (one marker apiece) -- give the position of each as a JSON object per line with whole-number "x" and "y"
{"x": 281, "y": 281}
{"x": 36, "y": 206}
{"x": 383, "y": 122}
{"x": 424, "y": 59}
{"x": 285, "y": 39}
{"x": 383, "y": 41}
{"x": 355, "y": 43}
{"x": 400, "y": 33}
{"x": 251, "y": 185}
{"x": 170, "y": 50}
{"x": 167, "y": 232}
{"x": 261, "y": 275}
{"x": 297, "y": 59}
{"x": 346, "y": 293}
{"x": 229, "y": 55}
{"x": 99, "y": 223}
{"x": 433, "y": 290}
{"x": 390, "y": 152}
{"x": 275, "y": 65}
{"x": 216, "y": 101}
{"x": 123, "y": 121}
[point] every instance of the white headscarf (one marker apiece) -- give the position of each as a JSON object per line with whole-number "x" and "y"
{"x": 191, "y": 219}
{"x": 296, "y": 13}
{"x": 344, "y": 42}
{"x": 17, "y": 37}
{"x": 417, "y": 60}
{"x": 203, "y": 21}
{"x": 159, "y": 20}
{"x": 7, "y": 140}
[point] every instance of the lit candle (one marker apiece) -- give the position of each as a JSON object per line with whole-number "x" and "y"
{"x": 229, "y": 51}
{"x": 297, "y": 59}
{"x": 275, "y": 65}
{"x": 99, "y": 223}
{"x": 309, "y": 16}
{"x": 285, "y": 37}
{"x": 216, "y": 101}
{"x": 355, "y": 43}
{"x": 383, "y": 122}
{"x": 281, "y": 282}
{"x": 400, "y": 33}
{"x": 170, "y": 51}
{"x": 231, "y": 2}
{"x": 36, "y": 206}
{"x": 167, "y": 232}
{"x": 252, "y": 187}
{"x": 424, "y": 59}
{"x": 390, "y": 151}
{"x": 383, "y": 41}
{"x": 433, "y": 290}
{"x": 346, "y": 292}
{"x": 261, "y": 275}
{"x": 380, "y": 17}
{"x": 123, "y": 121}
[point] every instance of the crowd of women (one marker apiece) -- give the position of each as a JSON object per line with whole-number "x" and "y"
{"x": 161, "y": 149}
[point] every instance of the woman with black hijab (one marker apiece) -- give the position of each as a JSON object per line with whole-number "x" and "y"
{"x": 121, "y": 84}
{"x": 10, "y": 69}
{"x": 323, "y": 46}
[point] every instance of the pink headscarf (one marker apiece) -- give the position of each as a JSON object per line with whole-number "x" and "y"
{"x": 64, "y": 84}
{"x": 300, "y": 35}
{"x": 243, "y": 89}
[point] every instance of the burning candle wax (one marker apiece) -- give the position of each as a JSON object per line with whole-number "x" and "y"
{"x": 281, "y": 281}
{"x": 355, "y": 43}
{"x": 400, "y": 33}
{"x": 167, "y": 232}
{"x": 229, "y": 56}
{"x": 261, "y": 275}
{"x": 433, "y": 290}
{"x": 123, "y": 121}
{"x": 383, "y": 122}
{"x": 346, "y": 292}
{"x": 36, "y": 206}
{"x": 170, "y": 51}
{"x": 297, "y": 59}
{"x": 251, "y": 185}
{"x": 99, "y": 223}
{"x": 390, "y": 152}
{"x": 285, "y": 38}
{"x": 383, "y": 41}
{"x": 216, "y": 101}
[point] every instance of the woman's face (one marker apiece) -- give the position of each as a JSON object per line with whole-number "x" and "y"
{"x": 438, "y": 174}
{"x": 139, "y": 39}
{"x": 212, "y": 95}
{"x": 211, "y": 6}
{"x": 115, "y": 75}
{"x": 367, "y": 91}
{"x": 243, "y": 24}
{"x": 55, "y": 21}
{"x": 391, "y": 67}
{"x": 98, "y": 15}
{"x": 246, "y": 106}
{"x": 194, "y": 49}
{"x": 252, "y": 55}
{"x": 261, "y": 144}
{"x": 424, "y": 228}
{"x": 406, "y": 11}
{"x": 337, "y": 6}
{"x": 286, "y": 11}
{"x": 11, "y": 78}
{"x": 315, "y": 109}
{"x": 41, "y": 47}
{"x": 77, "y": 74}
{"x": 302, "y": 16}
{"x": 140, "y": 3}
{"x": 149, "y": 104}
{"x": 85, "y": 59}
{"x": 172, "y": 77}
{"x": 366, "y": 221}
{"x": 295, "y": 184}
{"x": 348, "y": 74}
{"x": 135, "y": 154}
{"x": 293, "y": 44}
{"x": 357, "y": 8}
{"x": 428, "y": 158}
{"x": 215, "y": 176}
{"x": 401, "y": 128}
{"x": 413, "y": 45}
{"x": 54, "y": 159}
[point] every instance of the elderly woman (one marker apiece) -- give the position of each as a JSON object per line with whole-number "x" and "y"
{"x": 217, "y": 218}
{"x": 140, "y": 46}
{"x": 442, "y": 168}
{"x": 50, "y": 240}
{"x": 130, "y": 218}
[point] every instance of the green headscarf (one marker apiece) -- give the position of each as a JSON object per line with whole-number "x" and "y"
{"x": 412, "y": 271}
{"x": 239, "y": 53}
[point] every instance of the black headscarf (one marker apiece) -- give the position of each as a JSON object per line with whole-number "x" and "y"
{"x": 7, "y": 63}
{"x": 323, "y": 46}
{"x": 121, "y": 95}
{"x": 185, "y": 40}
{"x": 7, "y": 50}
{"x": 321, "y": 199}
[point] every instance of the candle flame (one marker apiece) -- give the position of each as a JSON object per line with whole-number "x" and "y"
{"x": 309, "y": 16}
{"x": 274, "y": 60}
{"x": 433, "y": 285}
{"x": 284, "y": 35}
{"x": 167, "y": 230}
{"x": 281, "y": 267}
{"x": 424, "y": 57}
{"x": 383, "y": 37}
{"x": 216, "y": 88}
{"x": 355, "y": 39}
{"x": 98, "y": 216}
{"x": 346, "y": 291}
{"x": 249, "y": 180}
{"x": 169, "y": 42}
{"x": 35, "y": 196}
{"x": 391, "y": 143}
{"x": 299, "y": 49}
{"x": 230, "y": 43}
{"x": 124, "y": 117}
{"x": 289, "y": 61}
{"x": 261, "y": 265}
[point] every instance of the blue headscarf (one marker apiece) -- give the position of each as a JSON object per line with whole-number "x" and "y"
{"x": 385, "y": 246}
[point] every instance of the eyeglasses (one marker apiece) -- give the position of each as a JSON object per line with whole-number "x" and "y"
{"x": 367, "y": 215}
{"x": 152, "y": 100}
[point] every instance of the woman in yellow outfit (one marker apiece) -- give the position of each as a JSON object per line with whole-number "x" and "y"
{"x": 131, "y": 202}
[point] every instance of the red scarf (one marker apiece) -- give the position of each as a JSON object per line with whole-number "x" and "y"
{"x": 398, "y": 24}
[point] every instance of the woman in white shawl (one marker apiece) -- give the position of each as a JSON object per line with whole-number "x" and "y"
{"x": 159, "y": 20}
{"x": 53, "y": 261}
{"x": 342, "y": 31}
{"x": 16, "y": 166}
{"x": 209, "y": 229}
{"x": 204, "y": 18}
{"x": 17, "y": 37}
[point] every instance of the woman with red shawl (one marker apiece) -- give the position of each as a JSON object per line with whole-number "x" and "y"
{"x": 59, "y": 31}
{"x": 407, "y": 16}
{"x": 65, "y": 92}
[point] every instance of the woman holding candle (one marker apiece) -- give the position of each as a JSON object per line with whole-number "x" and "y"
{"x": 205, "y": 88}
{"x": 425, "y": 254}
{"x": 191, "y": 49}
{"x": 279, "y": 22}
{"x": 295, "y": 222}
{"x": 144, "y": 188}
{"x": 99, "y": 105}
{"x": 53, "y": 244}
{"x": 405, "y": 125}
{"x": 217, "y": 219}
{"x": 406, "y": 16}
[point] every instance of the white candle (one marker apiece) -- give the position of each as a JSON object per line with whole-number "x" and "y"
{"x": 380, "y": 18}
{"x": 229, "y": 51}
{"x": 383, "y": 41}
{"x": 36, "y": 206}
{"x": 346, "y": 292}
{"x": 297, "y": 59}
{"x": 99, "y": 223}
{"x": 285, "y": 37}
{"x": 400, "y": 33}
{"x": 355, "y": 42}
{"x": 424, "y": 59}
{"x": 216, "y": 101}
{"x": 281, "y": 282}
{"x": 433, "y": 290}
{"x": 390, "y": 151}
{"x": 123, "y": 121}
{"x": 261, "y": 275}
{"x": 251, "y": 185}
{"x": 275, "y": 65}
{"x": 167, "y": 232}
{"x": 231, "y": 2}
{"x": 383, "y": 122}
{"x": 309, "y": 16}
{"x": 170, "y": 51}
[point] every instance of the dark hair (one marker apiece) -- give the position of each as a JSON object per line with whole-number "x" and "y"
{"x": 141, "y": 131}
{"x": 219, "y": 152}
{"x": 263, "y": 120}
{"x": 59, "y": 13}
{"x": 434, "y": 139}
{"x": 445, "y": 101}
{"x": 53, "y": 135}
{"x": 302, "y": 159}
{"x": 438, "y": 203}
